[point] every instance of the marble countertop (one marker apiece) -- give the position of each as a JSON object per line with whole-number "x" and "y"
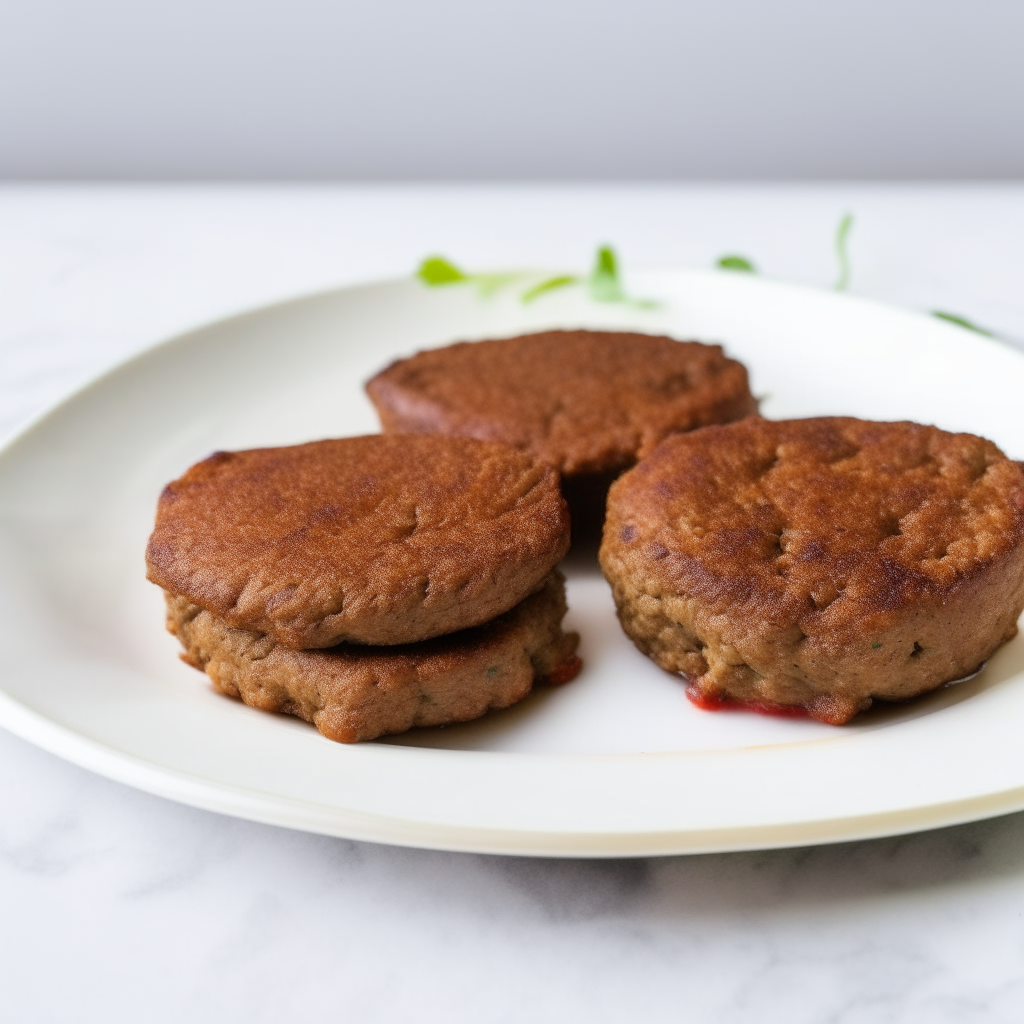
{"x": 119, "y": 906}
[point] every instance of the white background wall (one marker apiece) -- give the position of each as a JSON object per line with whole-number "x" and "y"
{"x": 398, "y": 89}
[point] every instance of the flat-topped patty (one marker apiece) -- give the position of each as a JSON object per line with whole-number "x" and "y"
{"x": 822, "y": 562}
{"x": 585, "y": 402}
{"x": 376, "y": 540}
{"x": 352, "y": 692}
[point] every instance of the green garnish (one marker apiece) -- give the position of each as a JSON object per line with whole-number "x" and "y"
{"x": 604, "y": 281}
{"x": 605, "y": 285}
{"x": 549, "y": 285}
{"x": 962, "y": 321}
{"x": 737, "y": 263}
{"x": 842, "y": 234}
{"x": 875, "y": 646}
{"x": 492, "y": 671}
{"x": 436, "y": 271}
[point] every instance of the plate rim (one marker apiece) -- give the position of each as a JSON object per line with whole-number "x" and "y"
{"x": 312, "y": 816}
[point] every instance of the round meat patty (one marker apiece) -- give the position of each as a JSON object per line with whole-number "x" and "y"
{"x": 820, "y": 563}
{"x": 585, "y": 402}
{"x": 376, "y": 540}
{"x": 355, "y": 693}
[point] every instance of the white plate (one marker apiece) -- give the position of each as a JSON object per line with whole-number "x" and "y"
{"x": 617, "y": 762}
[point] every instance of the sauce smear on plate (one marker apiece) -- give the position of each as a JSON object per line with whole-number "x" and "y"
{"x": 761, "y": 707}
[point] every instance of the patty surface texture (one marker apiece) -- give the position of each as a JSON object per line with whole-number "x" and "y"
{"x": 355, "y": 693}
{"x": 376, "y": 540}
{"x": 585, "y": 402}
{"x": 823, "y": 563}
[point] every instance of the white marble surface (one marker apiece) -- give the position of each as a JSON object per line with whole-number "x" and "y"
{"x": 118, "y": 906}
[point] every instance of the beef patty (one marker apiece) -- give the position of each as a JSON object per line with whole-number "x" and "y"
{"x": 585, "y": 402}
{"x": 355, "y": 693}
{"x": 822, "y": 563}
{"x": 376, "y": 540}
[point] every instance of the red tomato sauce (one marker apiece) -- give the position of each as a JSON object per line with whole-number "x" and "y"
{"x": 760, "y": 707}
{"x": 565, "y": 672}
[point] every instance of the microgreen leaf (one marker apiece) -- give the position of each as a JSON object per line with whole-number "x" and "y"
{"x": 603, "y": 282}
{"x": 737, "y": 263}
{"x": 436, "y": 271}
{"x": 961, "y": 321}
{"x": 842, "y": 235}
{"x": 549, "y": 285}
{"x": 604, "y": 278}
{"x": 605, "y": 285}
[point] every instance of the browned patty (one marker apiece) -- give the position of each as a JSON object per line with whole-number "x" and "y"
{"x": 586, "y": 402}
{"x": 377, "y": 540}
{"x": 823, "y": 563}
{"x": 355, "y": 693}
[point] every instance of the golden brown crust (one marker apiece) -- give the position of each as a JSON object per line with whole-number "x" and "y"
{"x": 823, "y": 562}
{"x": 358, "y": 693}
{"x": 583, "y": 401}
{"x": 378, "y": 540}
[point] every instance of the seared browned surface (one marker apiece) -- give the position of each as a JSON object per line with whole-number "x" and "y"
{"x": 820, "y": 562}
{"x": 582, "y": 401}
{"x": 358, "y": 693}
{"x": 378, "y": 540}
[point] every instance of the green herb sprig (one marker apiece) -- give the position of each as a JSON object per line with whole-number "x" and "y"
{"x": 842, "y": 251}
{"x": 962, "y": 321}
{"x": 550, "y": 284}
{"x": 603, "y": 284}
{"x": 438, "y": 272}
{"x": 734, "y": 262}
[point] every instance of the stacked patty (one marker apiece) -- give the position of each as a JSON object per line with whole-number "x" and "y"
{"x": 818, "y": 564}
{"x": 368, "y": 584}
